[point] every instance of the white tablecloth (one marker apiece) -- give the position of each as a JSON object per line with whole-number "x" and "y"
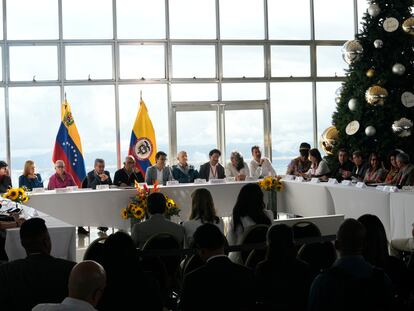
{"x": 62, "y": 235}
{"x": 402, "y": 214}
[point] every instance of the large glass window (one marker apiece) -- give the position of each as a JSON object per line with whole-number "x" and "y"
{"x": 290, "y": 61}
{"x": 191, "y": 61}
{"x": 243, "y": 91}
{"x": 3, "y": 149}
{"x": 243, "y": 61}
{"x": 330, "y": 62}
{"x": 194, "y": 92}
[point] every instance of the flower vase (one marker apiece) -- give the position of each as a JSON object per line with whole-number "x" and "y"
{"x": 272, "y": 202}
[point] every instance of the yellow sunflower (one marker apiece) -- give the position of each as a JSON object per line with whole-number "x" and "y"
{"x": 13, "y": 194}
{"x": 124, "y": 213}
{"x": 25, "y": 198}
{"x": 21, "y": 191}
{"x": 139, "y": 213}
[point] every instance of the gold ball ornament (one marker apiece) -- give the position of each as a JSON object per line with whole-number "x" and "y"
{"x": 408, "y": 26}
{"x": 328, "y": 140}
{"x": 375, "y": 95}
{"x": 370, "y": 73}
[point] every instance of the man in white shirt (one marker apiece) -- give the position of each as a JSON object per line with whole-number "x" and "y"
{"x": 260, "y": 167}
{"x": 86, "y": 285}
{"x": 159, "y": 171}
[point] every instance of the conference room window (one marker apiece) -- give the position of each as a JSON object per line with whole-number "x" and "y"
{"x": 3, "y": 141}
{"x": 330, "y": 62}
{"x": 187, "y": 92}
{"x": 33, "y": 63}
{"x": 142, "y": 61}
{"x": 245, "y": 22}
{"x": 243, "y": 91}
{"x": 292, "y": 120}
{"x": 90, "y": 19}
{"x": 200, "y": 24}
{"x": 140, "y": 19}
{"x": 193, "y": 61}
{"x": 30, "y": 109}
{"x": 290, "y": 61}
{"x": 243, "y": 61}
{"x": 93, "y": 62}
{"x": 155, "y": 98}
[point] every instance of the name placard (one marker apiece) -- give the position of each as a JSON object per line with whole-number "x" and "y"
{"x": 230, "y": 179}
{"x": 315, "y": 180}
{"x": 346, "y": 183}
{"x": 72, "y": 188}
{"x": 361, "y": 185}
{"x": 217, "y": 181}
{"x": 62, "y": 190}
{"x": 380, "y": 188}
{"x": 38, "y": 190}
{"x": 102, "y": 187}
{"x": 200, "y": 181}
{"x": 299, "y": 179}
{"x": 332, "y": 181}
{"x": 172, "y": 182}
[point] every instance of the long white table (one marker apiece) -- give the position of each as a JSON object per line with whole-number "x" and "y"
{"x": 402, "y": 214}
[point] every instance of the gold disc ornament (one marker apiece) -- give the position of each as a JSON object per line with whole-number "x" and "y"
{"x": 408, "y": 26}
{"x": 329, "y": 138}
{"x": 375, "y": 95}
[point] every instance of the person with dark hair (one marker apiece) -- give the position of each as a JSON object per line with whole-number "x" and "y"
{"x": 360, "y": 168}
{"x": 375, "y": 173}
{"x": 98, "y": 176}
{"x": 183, "y": 172}
{"x": 405, "y": 176}
{"x": 376, "y": 253}
{"x": 219, "y": 284}
{"x": 129, "y": 174}
{"x": 301, "y": 164}
{"x": 212, "y": 169}
{"x": 202, "y": 211}
{"x": 393, "y": 170}
{"x": 39, "y": 278}
{"x": 237, "y": 168}
{"x": 159, "y": 171}
{"x": 156, "y": 205}
{"x": 249, "y": 210}
{"x": 319, "y": 167}
{"x": 343, "y": 169}
{"x": 286, "y": 288}
{"x": 352, "y": 283}
{"x": 5, "y": 180}
{"x": 260, "y": 166}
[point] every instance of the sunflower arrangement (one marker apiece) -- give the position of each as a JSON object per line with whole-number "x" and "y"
{"x": 17, "y": 195}
{"x": 137, "y": 207}
{"x": 270, "y": 183}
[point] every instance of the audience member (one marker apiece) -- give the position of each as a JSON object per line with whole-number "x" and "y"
{"x": 360, "y": 168}
{"x": 405, "y": 176}
{"x": 86, "y": 285}
{"x": 352, "y": 283}
{"x": 212, "y": 169}
{"x": 98, "y": 176}
{"x": 30, "y": 179}
{"x": 344, "y": 167}
{"x": 249, "y": 210}
{"x": 159, "y": 171}
{"x": 374, "y": 173}
{"x": 301, "y": 164}
{"x": 5, "y": 181}
{"x": 237, "y": 168}
{"x": 219, "y": 284}
{"x": 283, "y": 281}
{"x": 260, "y": 166}
{"x": 39, "y": 278}
{"x": 128, "y": 175}
{"x": 61, "y": 179}
{"x": 183, "y": 172}
{"x": 391, "y": 177}
{"x": 319, "y": 167}
{"x": 156, "y": 205}
{"x": 202, "y": 211}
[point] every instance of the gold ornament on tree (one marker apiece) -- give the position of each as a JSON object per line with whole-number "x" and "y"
{"x": 329, "y": 138}
{"x": 375, "y": 95}
{"x": 370, "y": 73}
{"x": 352, "y": 51}
{"x": 408, "y": 26}
{"x": 402, "y": 127}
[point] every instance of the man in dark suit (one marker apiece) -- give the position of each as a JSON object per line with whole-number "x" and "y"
{"x": 212, "y": 169}
{"x": 99, "y": 176}
{"x": 5, "y": 181}
{"x": 406, "y": 175}
{"x": 39, "y": 278}
{"x": 128, "y": 175}
{"x": 219, "y": 284}
{"x": 344, "y": 167}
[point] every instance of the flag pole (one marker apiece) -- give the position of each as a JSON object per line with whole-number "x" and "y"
{"x": 140, "y": 95}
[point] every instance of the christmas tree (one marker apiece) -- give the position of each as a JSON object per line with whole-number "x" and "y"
{"x": 375, "y": 105}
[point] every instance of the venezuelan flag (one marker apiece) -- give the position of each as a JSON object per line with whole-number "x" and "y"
{"x": 68, "y": 146}
{"x": 143, "y": 146}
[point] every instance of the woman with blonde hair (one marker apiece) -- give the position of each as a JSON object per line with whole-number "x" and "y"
{"x": 30, "y": 179}
{"x": 202, "y": 211}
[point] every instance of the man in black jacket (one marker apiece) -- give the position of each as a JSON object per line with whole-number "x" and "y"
{"x": 99, "y": 176}
{"x": 39, "y": 278}
{"x": 212, "y": 169}
{"x": 128, "y": 175}
{"x": 5, "y": 181}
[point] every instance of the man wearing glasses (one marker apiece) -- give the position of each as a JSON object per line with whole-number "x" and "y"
{"x": 99, "y": 176}
{"x": 61, "y": 179}
{"x": 126, "y": 176}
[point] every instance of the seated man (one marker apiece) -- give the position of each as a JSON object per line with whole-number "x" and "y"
{"x": 98, "y": 176}
{"x": 61, "y": 179}
{"x": 219, "y": 284}
{"x": 126, "y": 176}
{"x": 360, "y": 167}
{"x": 5, "y": 181}
{"x": 212, "y": 169}
{"x": 352, "y": 283}
{"x": 39, "y": 278}
{"x": 301, "y": 164}
{"x": 156, "y": 205}
{"x": 344, "y": 167}
{"x": 260, "y": 167}
{"x": 183, "y": 172}
{"x": 405, "y": 176}
{"x": 86, "y": 286}
{"x": 158, "y": 171}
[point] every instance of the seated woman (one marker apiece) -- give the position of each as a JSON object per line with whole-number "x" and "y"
{"x": 202, "y": 211}
{"x": 319, "y": 167}
{"x": 374, "y": 173}
{"x": 237, "y": 168}
{"x": 30, "y": 179}
{"x": 249, "y": 210}
{"x": 393, "y": 170}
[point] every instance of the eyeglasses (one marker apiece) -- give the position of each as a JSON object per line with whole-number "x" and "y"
{"x": 60, "y": 166}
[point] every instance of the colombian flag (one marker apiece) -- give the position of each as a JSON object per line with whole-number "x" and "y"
{"x": 143, "y": 146}
{"x": 68, "y": 146}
